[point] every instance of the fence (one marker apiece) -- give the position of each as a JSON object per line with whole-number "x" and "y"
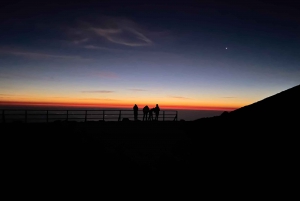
{"x": 28, "y": 116}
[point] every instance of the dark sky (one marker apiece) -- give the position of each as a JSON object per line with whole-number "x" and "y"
{"x": 188, "y": 53}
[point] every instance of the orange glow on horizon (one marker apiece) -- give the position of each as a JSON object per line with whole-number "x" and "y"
{"x": 106, "y": 105}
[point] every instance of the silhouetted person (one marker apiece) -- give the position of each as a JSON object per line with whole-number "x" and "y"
{"x": 135, "y": 112}
{"x": 151, "y": 114}
{"x": 156, "y": 110}
{"x": 145, "y": 112}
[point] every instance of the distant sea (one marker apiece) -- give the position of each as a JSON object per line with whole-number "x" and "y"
{"x": 95, "y": 114}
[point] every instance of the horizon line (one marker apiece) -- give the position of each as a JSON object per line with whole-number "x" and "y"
{"x": 92, "y": 105}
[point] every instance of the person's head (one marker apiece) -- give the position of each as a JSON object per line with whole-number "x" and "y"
{"x": 156, "y": 104}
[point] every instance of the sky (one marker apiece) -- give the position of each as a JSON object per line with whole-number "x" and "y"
{"x": 198, "y": 55}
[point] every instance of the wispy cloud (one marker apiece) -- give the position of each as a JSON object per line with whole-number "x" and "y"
{"x": 98, "y": 99}
{"x": 229, "y": 97}
{"x": 94, "y": 47}
{"x": 126, "y": 36}
{"x": 5, "y": 76}
{"x": 106, "y": 32}
{"x": 28, "y": 76}
{"x": 34, "y": 55}
{"x": 13, "y": 95}
{"x": 80, "y": 41}
{"x": 179, "y": 97}
{"x": 138, "y": 90}
{"x": 109, "y": 75}
{"x": 92, "y": 34}
{"x": 98, "y": 91}
{"x": 7, "y": 95}
{"x": 60, "y": 97}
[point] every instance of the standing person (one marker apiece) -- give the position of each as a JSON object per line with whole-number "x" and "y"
{"x": 145, "y": 112}
{"x": 135, "y": 112}
{"x": 156, "y": 110}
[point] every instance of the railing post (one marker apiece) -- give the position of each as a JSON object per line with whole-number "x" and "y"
{"x": 119, "y": 119}
{"x": 67, "y": 115}
{"x": 3, "y": 116}
{"x": 163, "y": 115}
{"x": 47, "y": 117}
{"x": 103, "y": 115}
{"x": 85, "y": 116}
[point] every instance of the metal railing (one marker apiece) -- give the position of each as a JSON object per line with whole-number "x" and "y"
{"x": 27, "y": 116}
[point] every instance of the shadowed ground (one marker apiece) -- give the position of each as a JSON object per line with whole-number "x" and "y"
{"x": 250, "y": 142}
{"x": 104, "y": 145}
{"x": 137, "y": 147}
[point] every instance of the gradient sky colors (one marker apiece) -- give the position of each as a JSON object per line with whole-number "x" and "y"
{"x": 212, "y": 55}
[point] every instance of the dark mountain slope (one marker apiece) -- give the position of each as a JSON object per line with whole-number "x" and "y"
{"x": 260, "y": 139}
{"x": 279, "y": 112}
{"x": 284, "y": 105}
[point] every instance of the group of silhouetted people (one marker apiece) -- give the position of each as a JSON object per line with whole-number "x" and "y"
{"x": 147, "y": 113}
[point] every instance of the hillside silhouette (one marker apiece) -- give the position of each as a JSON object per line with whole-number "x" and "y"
{"x": 280, "y": 110}
{"x": 279, "y": 106}
{"x": 249, "y": 141}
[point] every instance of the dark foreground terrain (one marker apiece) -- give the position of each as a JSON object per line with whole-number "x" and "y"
{"x": 208, "y": 147}
{"x": 255, "y": 141}
{"x": 100, "y": 146}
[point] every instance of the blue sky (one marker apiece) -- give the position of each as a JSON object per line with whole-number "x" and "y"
{"x": 209, "y": 54}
